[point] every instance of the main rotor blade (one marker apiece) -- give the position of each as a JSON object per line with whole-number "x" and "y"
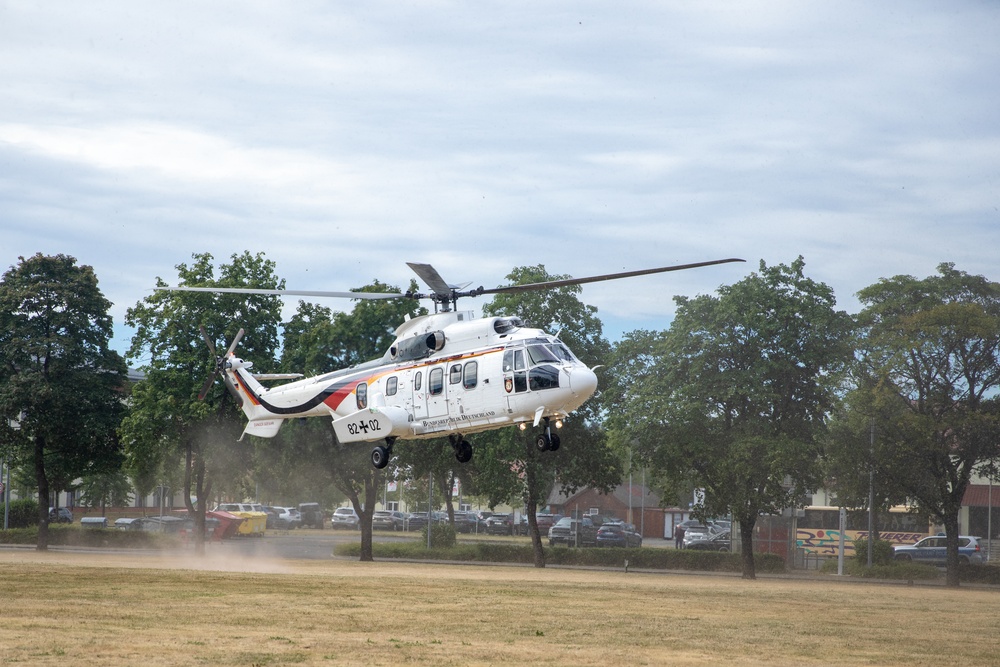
{"x": 287, "y": 292}
{"x": 432, "y": 279}
{"x": 552, "y": 284}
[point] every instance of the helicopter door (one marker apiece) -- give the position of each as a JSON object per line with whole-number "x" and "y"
{"x": 515, "y": 377}
{"x": 437, "y": 403}
{"x": 418, "y": 403}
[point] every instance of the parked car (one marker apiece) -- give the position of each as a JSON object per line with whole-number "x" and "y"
{"x": 934, "y": 551}
{"x": 416, "y": 521}
{"x": 715, "y": 542}
{"x": 465, "y": 522}
{"x": 481, "y": 518}
{"x": 345, "y": 517}
{"x": 312, "y": 515}
{"x": 286, "y": 518}
{"x": 572, "y": 532}
{"x": 500, "y": 524}
{"x": 388, "y": 520}
{"x": 617, "y": 534}
{"x": 60, "y": 515}
{"x": 544, "y": 521}
{"x": 698, "y": 532}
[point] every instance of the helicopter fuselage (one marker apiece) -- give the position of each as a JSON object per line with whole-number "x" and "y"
{"x": 446, "y": 375}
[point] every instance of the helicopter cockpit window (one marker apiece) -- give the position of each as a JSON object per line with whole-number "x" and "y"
{"x": 435, "y": 381}
{"x": 455, "y": 374}
{"x": 541, "y": 354}
{"x": 362, "y": 393}
{"x": 543, "y": 377}
{"x": 391, "y": 386}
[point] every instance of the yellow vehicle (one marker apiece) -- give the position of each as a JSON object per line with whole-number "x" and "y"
{"x": 253, "y": 515}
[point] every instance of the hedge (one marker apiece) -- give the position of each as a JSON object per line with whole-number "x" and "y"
{"x": 653, "y": 559}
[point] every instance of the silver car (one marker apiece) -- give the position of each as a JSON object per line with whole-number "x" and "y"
{"x": 934, "y": 551}
{"x": 345, "y": 517}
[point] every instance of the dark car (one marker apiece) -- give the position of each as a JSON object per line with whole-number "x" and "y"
{"x": 416, "y": 521}
{"x": 544, "y": 521}
{"x": 716, "y": 542}
{"x": 466, "y": 522}
{"x": 311, "y": 515}
{"x": 60, "y": 515}
{"x": 934, "y": 551}
{"x": 618, "y": 535}
{"x": 500, "y": 524}
{"x": 573, "y": 532}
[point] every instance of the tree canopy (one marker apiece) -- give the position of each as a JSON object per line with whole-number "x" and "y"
{"x": 59, "y": 381}
{"x": 167, "y": 422}
{"x": 932, "y": 347}
{"x": 732, "y": 397}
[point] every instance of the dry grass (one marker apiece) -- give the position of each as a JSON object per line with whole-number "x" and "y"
{"x": 75, "y": 609}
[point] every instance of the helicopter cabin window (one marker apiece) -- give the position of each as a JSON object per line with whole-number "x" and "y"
{"x": 455, "y": 374}
{"x": 362, "y": 393}
{"x": 391, "y": 386}
{"x": 435, "y": 381}
{"x": 470, "y": 374}
{"x": 418, "y": 380}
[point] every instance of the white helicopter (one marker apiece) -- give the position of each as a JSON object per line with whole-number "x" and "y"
{"x": 446, "y": 374}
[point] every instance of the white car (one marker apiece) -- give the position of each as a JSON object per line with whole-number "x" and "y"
{"x": 345, "y": 517}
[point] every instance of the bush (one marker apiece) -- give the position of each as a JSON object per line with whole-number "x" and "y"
{"x": 23, "y": 513}
{"x": 882, "y": 553}
{"x": 76, "y": 536}
{"x": 442, "y": 535}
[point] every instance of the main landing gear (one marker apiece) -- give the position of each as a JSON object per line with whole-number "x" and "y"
{"x": 381, "y": 455}
{"x": 547, "y": 441}
{"x": 463, "y": 450}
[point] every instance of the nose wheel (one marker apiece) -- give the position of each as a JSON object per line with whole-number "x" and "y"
{"x": 547, "y": 441}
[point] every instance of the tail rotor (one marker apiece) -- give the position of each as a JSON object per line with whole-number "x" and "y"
{"x": 220, "y": 362}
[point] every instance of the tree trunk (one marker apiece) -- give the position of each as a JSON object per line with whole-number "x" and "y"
{"x": 365, "y": 515}
{"x": 536, "y": 540}
{"x": 43, "y": 495}
{"x": 746, "y": 542}
{"x": 951, "y": 539}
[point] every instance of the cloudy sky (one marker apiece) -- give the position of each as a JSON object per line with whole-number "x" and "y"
{"x": 345, "y": 139}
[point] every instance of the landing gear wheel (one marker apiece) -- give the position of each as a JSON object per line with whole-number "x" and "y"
{"x": 542, "y": 443}
{"x": 463, "y": 451}
{"x": 380, "y": 457}
{"x": 553, "y": 442}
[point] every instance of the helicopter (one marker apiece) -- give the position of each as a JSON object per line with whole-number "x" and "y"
{"x": 447, "y": 374}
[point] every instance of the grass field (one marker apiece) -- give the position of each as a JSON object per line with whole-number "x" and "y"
{"x": 63, "y": 608}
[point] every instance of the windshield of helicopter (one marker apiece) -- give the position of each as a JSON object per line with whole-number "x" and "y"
{"x": 541, "y": 351}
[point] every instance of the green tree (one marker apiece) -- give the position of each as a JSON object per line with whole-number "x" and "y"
{"x": 934, "y": 346}
{"x": 732, "y": 398}
{"x": 59, "y": 380}
{"x": 110, "y": 486}
{"x": 509, "y": 465}
{"x": 167, "y": 422}
{"x": 318, "y": 340}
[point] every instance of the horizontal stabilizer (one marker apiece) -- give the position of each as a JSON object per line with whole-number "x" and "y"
{"x": 263, "y": 428}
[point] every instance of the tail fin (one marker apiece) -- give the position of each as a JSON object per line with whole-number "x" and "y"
{"x": 248, "y": 392}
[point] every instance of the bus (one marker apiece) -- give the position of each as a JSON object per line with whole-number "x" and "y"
{"x": 817, "y": 530}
